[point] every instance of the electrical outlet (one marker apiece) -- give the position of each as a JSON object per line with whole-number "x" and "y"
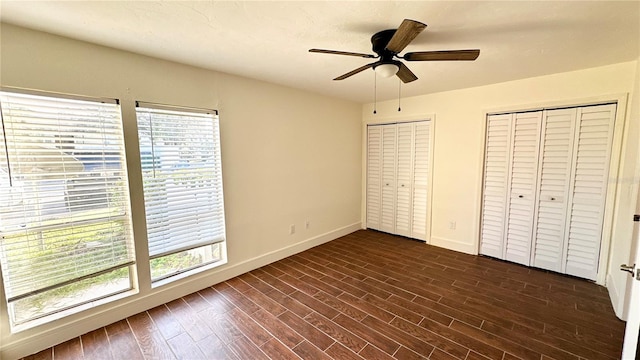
{"x": 452, "y": 225}
{"x": 307, "y": 224}
{"x": 292, "y": 229}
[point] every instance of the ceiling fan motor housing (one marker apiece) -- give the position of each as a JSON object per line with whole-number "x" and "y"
{"x": 379, "y": 41}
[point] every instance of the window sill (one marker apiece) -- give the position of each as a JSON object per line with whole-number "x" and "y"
{"x": 187, "y": 274}
{"x": 72, "y": 311}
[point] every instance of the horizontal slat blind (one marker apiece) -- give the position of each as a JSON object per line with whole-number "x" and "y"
{"x": 182, "y": 174}
{"x": 63, "y": 192}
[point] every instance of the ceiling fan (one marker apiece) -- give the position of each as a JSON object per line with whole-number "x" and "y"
{"x": 387, "y": 44}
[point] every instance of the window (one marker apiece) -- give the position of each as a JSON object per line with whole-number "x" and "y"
{"x": 182, "y": 179}
{"x": 65, "y": 234}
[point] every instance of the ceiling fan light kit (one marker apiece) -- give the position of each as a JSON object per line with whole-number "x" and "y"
{"x": 386, "y": 70}
{"x": 387, "y": 44}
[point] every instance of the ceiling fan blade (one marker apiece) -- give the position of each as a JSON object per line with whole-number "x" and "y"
{"x": 405, "y": 74}
{"x": 336, "y": 52}
{"x": 442, "y": 55}
{"x": 407, "y": 31}
{"x": 353, "y": 72}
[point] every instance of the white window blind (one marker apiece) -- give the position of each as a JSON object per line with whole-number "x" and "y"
{"x": 64, "y": 215}
{"x": 182, "y": 174}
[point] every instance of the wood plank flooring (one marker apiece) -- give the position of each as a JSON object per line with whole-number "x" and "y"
{"x": 370, "y": 295}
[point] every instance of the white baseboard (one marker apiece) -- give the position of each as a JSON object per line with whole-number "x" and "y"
{"x": 454, "y": 245}
{"x": 38, "y": 341}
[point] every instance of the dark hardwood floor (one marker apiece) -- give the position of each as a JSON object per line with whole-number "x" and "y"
{"x": 374, "y": 296}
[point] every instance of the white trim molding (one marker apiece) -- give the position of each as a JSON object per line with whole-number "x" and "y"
{"x": 456, "y": 245}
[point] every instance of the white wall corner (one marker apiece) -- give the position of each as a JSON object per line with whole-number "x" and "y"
{"x": 616, "y": 301}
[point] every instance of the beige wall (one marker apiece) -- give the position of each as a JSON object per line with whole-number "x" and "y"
{"x": 459, "y": 145}
{"x": 288, "y": 156}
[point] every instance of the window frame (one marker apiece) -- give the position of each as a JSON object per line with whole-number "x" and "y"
{"x": 220, "y": 244}
{"x": 124, "y": 209}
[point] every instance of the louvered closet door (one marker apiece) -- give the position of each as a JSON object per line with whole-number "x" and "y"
{"x": 554, "y": 174}
{"x": 374, "y": 176}
{"x": 494, "y": 197}
{"x": 593, "y": 140}
{"x": 522, "y": 186}
{"x": 404, "y": 208}
{"x": 422, "y": 136}
{"x": 388, "y": 198}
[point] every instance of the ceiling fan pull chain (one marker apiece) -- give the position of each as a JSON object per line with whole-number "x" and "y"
{"x": 399, "y": 93}
{"x": 375, "y": 92}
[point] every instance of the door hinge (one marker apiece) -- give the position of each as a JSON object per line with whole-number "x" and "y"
{"x": 636, "y": 217}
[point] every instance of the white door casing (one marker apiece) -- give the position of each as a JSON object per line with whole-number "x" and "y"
{"x": 630, "y": 344}
{"x": 397, "y": 184}
{"x": 545, "y": 187}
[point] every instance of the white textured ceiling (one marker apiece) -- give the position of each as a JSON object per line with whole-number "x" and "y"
{"x": 268, "y": 40}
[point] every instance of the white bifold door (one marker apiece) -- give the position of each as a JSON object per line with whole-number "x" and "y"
{"x": 545, "y": 183}
{"x": 397, "y": 178}
{"x": 510, "y": 185}
{"x": 521, "y": 186}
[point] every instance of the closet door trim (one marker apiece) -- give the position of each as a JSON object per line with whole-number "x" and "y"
{"x": 416, "y": 119}
{"x": 613, "y": 195}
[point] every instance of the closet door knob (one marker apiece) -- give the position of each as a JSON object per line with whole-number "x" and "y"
{"x": 520, "y": 196}
{"x": 402, "y": 185}
{"x": 553, "y": 198}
